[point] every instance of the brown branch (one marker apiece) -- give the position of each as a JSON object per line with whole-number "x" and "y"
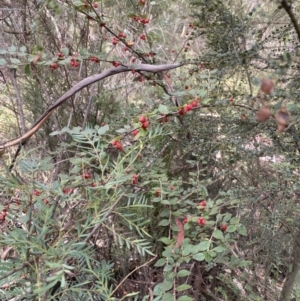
{"x": 287, "y": 7}
{"x": 79, "y": 86}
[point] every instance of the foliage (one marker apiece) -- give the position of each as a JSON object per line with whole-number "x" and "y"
{"x": 151, "y": 186}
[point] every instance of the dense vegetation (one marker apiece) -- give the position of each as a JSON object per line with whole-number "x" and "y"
{"x": 159, "y": 150}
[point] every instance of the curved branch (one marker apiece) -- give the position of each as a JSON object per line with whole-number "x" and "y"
{"x": 79, "y": 86}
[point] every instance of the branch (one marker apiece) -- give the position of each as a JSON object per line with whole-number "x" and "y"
{"x": 79, "y": 86}
{"x": 287, "y": 7}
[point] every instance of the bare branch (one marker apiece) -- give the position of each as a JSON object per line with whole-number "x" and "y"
{"x": 79, "y": 86}
{"x": 287, "y": 7}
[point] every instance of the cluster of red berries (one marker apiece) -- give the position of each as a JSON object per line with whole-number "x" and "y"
{"x": 36, "y": 192}
{"x": 117, "y": 145}
{"x": 94, "y": 59}
{"x": 202, "y": 205}
{"x": 4, "y": 213}
{"x": 60, "y": 55}
{"x": 67, "y": 190}
{"x": 74, "y": 62}
{"x": 115, "y": 41}
{"x": 201, "y": 221}
{"x": 134, "y": 179}
{"x": 116, "y": 64}
{"x": 188, "y": 107}
{"x": 122, "y": 35}
{"x": 53, "y": 66}
{"x": 86, "y": 175}
{"x": 144, "y": 121}
{"x": 143, "y": 21}
{"x": 86, "y": 5}
{"x": 143, "y": 37}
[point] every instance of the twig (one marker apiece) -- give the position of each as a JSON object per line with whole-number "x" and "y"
{"x": 287, "y": 7}
{"x": 79, "y": 86}
{"x": 104, "y": 217}
{"x": 144, "y": 264}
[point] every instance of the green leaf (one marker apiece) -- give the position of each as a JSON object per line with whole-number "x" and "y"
{"x": 199, "y": 257}
{"x": 204, "y": 245}
{"x": 185, "y": 298}
{"x": 162, "y": 287}
{"x": 164, "y": 222}
{"x": 12, "y": 49}
{"x": 227, "y": 217}
{"x": 207, "y": 256}
{"x": 23, "y": 48}
{"x": 15, "y": 61}
{"x": 163, "y": 109}
{"x": 183, "y": 273}
{"x": 165, "y": 240}
{"x": 3, "y": 51}
{"x": 234, "y": 220}
{"x": 183, "y": 287}
{"x": 27, "y": 70}
{"x": 218, "y": 234}
{"x": 231, "y": 228}
{"x": 219, "y": 249}
{"x": 242, "y": 230}
{"x": 186, "y": 251}
{"x": 167, "y": 297}
{"x": 3, "y": 62}
{"x": 160, "y": 262}
{"x": 103, "y": 129}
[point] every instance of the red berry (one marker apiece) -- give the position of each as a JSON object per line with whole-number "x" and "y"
{"x": 95, "y": 5}
{"x": 119, "y": 146}
{"x": 116, "y": 64}
{"x": 171, "y": 187}
{"x": 122, "y": 35}
{"x": 114, "y": 142}
{"x": 46, "y": 201}
{"x": 157, "y": 193}
{"x": 186, "y": 87}
{"x": 182, "y": 111}
{"x": 202, "y": 205}
{"x": 94, "y": 59}
{"x": 201, "y": 221}
{"x": 145, "y": 125}
{"x": 103, "y": 123}
{"x": 135, "y": 132}
{"x": 188, "y": 107}
{"x": 143, "y": 37}
{"x": 231, "y": 99}
{"x": 185, "y": 220}
{"x": 142, "y": 2}
{"x": 140, "y": 78}
{"x": 53, "y": 66}
{"x": 142, "y": 119}
{"x": 60, "y": 55}
{"x": 115, "y": 41}
{"x": 195, "y": 104}
{"x": 93, "y": 184}
{"x": 86, "y": 175}
{"x": 36, "y": 192}
{"x": 224, "y": 227}
{"x": 67, "y": 190}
